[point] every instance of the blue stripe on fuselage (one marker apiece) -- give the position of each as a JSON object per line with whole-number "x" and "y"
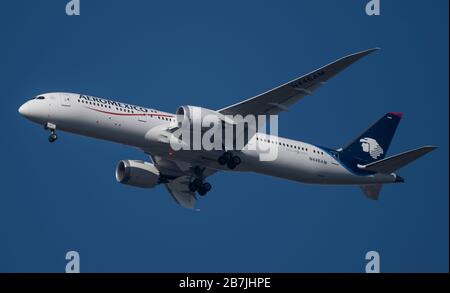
{"x": 350, "y": 166}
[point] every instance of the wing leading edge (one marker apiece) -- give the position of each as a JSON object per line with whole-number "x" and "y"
{"x": 280, "y": 98}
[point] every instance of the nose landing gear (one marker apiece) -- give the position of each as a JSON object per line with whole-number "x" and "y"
{"x": 53, "y": 137}
{"x": 52, "y": 127}
{"x": 228, "y": 159}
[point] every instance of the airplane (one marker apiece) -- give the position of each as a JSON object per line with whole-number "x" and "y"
{"x": 362, "y": 162}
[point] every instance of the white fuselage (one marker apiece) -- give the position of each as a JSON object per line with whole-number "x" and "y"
{"x": 134, "y": 126}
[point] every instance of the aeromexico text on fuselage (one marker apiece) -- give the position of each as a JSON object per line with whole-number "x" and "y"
{"x": 113, "y": 103}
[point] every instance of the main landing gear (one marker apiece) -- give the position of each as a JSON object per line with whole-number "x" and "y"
{"x": 201, "y": 187}
{"x": 229, "y": 159}
{"x": 52, "y": 127}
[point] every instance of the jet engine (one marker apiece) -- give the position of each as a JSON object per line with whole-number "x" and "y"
{"x": 137, "y": 173}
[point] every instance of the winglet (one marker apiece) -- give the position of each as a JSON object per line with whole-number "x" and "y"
{"x": 363, "y": 53}
{"x": 398, "y": 114}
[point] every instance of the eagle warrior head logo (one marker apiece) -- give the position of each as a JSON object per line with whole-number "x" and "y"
{"x": 371, "y": 146}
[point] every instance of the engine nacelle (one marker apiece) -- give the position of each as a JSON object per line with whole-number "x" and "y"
{"x": 137, "y": 173}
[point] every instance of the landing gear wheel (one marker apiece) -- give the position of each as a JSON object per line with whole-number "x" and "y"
{"x": 228, "y": 159}
{"x": 236, "y": 160}
{"x": 206, "y": 187}
{"x": 202, "y": 192}
{"x": 192, "y": 187}
{"x": 222, "y": 160}
{"x": 53, "y": 137}
{"x": 231, "y": 165}
{"x": 227, "y": 156}
{"x": 197, "y": 183}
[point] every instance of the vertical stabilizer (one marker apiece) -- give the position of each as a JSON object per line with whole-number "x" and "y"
{"x": 371, "y": 191}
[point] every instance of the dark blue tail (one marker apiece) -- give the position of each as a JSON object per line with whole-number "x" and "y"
{"x": 373, "y": 144}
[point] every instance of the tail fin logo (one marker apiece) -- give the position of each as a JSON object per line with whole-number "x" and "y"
{"x": 371, "y": 146}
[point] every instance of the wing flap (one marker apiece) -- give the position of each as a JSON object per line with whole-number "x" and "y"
{"x": 179, "y": 190}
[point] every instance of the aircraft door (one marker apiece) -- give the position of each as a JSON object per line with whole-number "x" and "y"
{"x": 65, "y": 100}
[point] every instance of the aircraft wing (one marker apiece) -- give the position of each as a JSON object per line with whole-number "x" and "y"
{"x": 179, "y": 175}
{"x": 282, "y": 97}
{"x": 179, "y": 190}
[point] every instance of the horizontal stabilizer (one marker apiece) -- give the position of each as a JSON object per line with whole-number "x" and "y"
{"x": 396, "y": 162}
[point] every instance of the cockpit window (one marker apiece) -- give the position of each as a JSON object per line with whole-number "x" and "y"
{"x": 40, "y": 98}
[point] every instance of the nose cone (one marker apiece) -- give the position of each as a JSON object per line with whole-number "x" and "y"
{"x": 35, "y": 110}
{"x": 24, "y": 110}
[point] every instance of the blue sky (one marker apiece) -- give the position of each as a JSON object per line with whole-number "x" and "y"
{"x": 164, "y": 54}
